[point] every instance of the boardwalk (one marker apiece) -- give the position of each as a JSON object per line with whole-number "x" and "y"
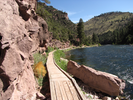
{"x": 62, "y": 86}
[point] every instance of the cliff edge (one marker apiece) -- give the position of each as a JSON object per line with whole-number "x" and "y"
{"x": 21, "y": 33}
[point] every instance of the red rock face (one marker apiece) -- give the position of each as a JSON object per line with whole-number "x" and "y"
{"x": 56, "y": 43}
{"x": 101, "y": 81}
{"x": 19, "y": 31}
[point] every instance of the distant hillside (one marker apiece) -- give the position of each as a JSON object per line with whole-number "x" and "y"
{"x": 107, "y": 22}
{"x": 124, "y": 35}
{"x": 58, "y": 23}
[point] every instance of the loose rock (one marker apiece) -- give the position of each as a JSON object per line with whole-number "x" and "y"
{"x": 101, "y": 81}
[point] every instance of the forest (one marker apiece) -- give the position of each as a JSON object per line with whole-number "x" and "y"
{"x": 110, "y": 28}
{"x": 124, "y": 35}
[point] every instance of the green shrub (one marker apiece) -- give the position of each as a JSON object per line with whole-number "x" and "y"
{"x": 61, "y": 63}
{"x": 39, "y": 57}
{"x": 49, "y": 49}
{"x": 38, "y": 68}
{"x": 99, "y": 44}
{"x": 40, "y": 81}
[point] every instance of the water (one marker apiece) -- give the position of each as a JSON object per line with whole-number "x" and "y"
{"x": 115, "y": 59}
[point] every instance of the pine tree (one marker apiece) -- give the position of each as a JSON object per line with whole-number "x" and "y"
{"x": 95, "y": 38}
{"x": 80, "y": 30}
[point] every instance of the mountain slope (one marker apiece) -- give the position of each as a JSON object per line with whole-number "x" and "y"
{"x": 124, "y": 35}
{"x": 58, "y": 23}
{"x": 107, "y": 22}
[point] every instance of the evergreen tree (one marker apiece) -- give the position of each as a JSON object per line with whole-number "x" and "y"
{"x": 95, "y": 38}
{"x": 88, "y": 41}
{"x": 80, "y": 30}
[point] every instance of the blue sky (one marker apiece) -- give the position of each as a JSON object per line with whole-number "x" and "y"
{"x": 87, "y": 9}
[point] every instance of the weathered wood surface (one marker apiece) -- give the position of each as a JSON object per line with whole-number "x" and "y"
{"x": 62, "y": 86}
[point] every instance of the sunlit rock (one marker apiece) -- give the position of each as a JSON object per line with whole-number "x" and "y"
{"x": 101, "y": 81}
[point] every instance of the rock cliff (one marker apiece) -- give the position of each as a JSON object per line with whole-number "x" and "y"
{"x": 101, "y": 81}
{"x": 21, "y": 33}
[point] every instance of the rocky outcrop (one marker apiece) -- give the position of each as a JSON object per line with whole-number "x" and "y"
{"x": 61, "y": 16}
{"x": 21, "y": 33}
{"x": 101, "y": 81}
{"x": 58, "y": 44}
{"x": 65, "y": 16}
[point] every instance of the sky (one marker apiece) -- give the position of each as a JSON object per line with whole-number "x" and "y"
{"x": 87, "y": 9}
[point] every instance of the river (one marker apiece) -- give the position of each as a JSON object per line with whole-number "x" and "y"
{"x": 115, "y": 59}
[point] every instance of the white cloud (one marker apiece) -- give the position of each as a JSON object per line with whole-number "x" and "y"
{"x": 75, "y": 22}
{"x": 70, "y": 13}
{"x": 86, "y": 18}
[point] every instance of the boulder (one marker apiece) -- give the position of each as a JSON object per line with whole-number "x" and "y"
{"x": 101, "y": 81}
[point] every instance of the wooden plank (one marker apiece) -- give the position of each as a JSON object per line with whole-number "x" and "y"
{"x": 67, "y": 91}
{"x": 72, "y": 90}
{"x": 81, "y": 95}
{"x": 58, "y": 92}
{"x": 62, "y": 89}
{"x": 58, "y": 75}
{"x": 52, "y": 90}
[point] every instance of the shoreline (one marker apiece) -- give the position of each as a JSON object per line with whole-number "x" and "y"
{"x": 89, "y": 92}
{"x": 92, "y": 93}
{"x": 77, "y": 47}
{"x": 86, "y": 89}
